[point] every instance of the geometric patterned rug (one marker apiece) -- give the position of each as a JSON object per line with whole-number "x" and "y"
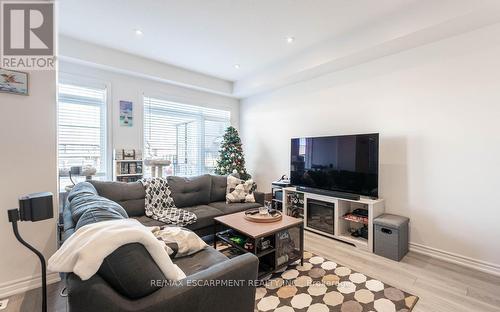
{"x": 322, "y": 286}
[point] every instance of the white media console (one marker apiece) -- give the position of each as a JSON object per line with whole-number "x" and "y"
{"x": 293, "y": 199}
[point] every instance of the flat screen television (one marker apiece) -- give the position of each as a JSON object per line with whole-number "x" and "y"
{"x": 346, "y": 163}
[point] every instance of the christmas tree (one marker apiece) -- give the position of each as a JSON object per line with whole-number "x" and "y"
{"x": 231, "y": 155}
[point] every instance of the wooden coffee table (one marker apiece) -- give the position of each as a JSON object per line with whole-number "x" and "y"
{"x": 286, "y": 238}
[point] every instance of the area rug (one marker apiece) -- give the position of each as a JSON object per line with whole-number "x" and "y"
{"x": 321, "y": 285}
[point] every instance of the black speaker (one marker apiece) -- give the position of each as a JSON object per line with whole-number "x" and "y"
{"x": 328, "y": 193}
{"x": 36, "y": 207}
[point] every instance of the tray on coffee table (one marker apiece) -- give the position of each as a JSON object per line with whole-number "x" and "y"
{"x": 263, "y": 218}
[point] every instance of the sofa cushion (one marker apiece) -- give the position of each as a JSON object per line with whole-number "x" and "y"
{"x": 147, "y": 221}
{"x": 81, "y": 199}
{"x": 128, "y": 195}
{"x": 205, "y": 214}
{"x": 218, "y": 191}
{"x": 234, "y": 207}
{"x": 199, "y": 261}
{"x": 130, "y": 270}
{"x": 192, "y": 191}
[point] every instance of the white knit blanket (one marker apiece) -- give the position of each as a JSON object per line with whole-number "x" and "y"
{"x": 84, "y": 251}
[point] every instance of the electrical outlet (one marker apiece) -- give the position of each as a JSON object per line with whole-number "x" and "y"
{"x": 3, "y": 304}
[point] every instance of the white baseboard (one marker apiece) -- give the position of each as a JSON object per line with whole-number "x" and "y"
{"x": 475, "y": 264}
{"x": 24, "y": 284}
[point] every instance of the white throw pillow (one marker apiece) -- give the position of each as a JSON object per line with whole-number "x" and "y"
{"x": 178, "y": 241}
{"x": 239, "y": 191}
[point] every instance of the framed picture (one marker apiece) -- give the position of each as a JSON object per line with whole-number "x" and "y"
{"x": 14, "y": 82}
{"x": 128, "y": 154}
{"x": 126, "y": 117}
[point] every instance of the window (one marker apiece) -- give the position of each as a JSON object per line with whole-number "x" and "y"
{"x": 189, "y": 136}
{"x": 81, "y": 129}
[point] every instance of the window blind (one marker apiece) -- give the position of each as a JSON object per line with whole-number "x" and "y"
{"x": 82, "y": 127}
{"x": 187, "y": 135}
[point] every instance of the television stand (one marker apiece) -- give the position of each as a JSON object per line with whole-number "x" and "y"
{"x": 328, "y": 193}
{"x": 334, "y": 216}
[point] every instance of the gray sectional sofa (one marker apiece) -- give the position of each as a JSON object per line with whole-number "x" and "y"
{"x": 128, "y": 279}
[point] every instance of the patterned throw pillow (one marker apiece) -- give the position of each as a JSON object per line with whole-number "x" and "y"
{"x": 240, "y": 191}
{"x": 178, "y": 241}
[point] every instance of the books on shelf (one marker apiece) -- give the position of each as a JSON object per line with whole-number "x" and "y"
{"x": 128, "y": 154}
{"x": 129, "y": 168}
{"x": 128, "y": 165}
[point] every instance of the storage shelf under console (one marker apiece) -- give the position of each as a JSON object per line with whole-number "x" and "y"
{"x": 341, "y": 222}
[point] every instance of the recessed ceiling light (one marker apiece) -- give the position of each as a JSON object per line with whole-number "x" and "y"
{"x": 290, "y": 39}
{"x": 138, "y": 32}
{"x": 237, "y": 66}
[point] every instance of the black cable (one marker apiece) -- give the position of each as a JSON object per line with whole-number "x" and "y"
{"x": 71, "y": 178}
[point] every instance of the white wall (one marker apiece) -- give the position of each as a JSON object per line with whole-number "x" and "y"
{"x": 437, "y": 109}
{"x": 28, "y": 162}
{"x": 28, "y": 157}
{"x": 131, "y": 88}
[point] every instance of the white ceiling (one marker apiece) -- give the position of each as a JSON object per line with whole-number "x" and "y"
{"x": 210, "y": 36}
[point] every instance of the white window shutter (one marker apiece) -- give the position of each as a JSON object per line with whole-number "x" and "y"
{"x": 81, "y": 127}
{"x": 187, "y": 135}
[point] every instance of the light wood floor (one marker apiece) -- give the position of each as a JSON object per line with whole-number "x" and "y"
{"x": 441, "y": 286}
